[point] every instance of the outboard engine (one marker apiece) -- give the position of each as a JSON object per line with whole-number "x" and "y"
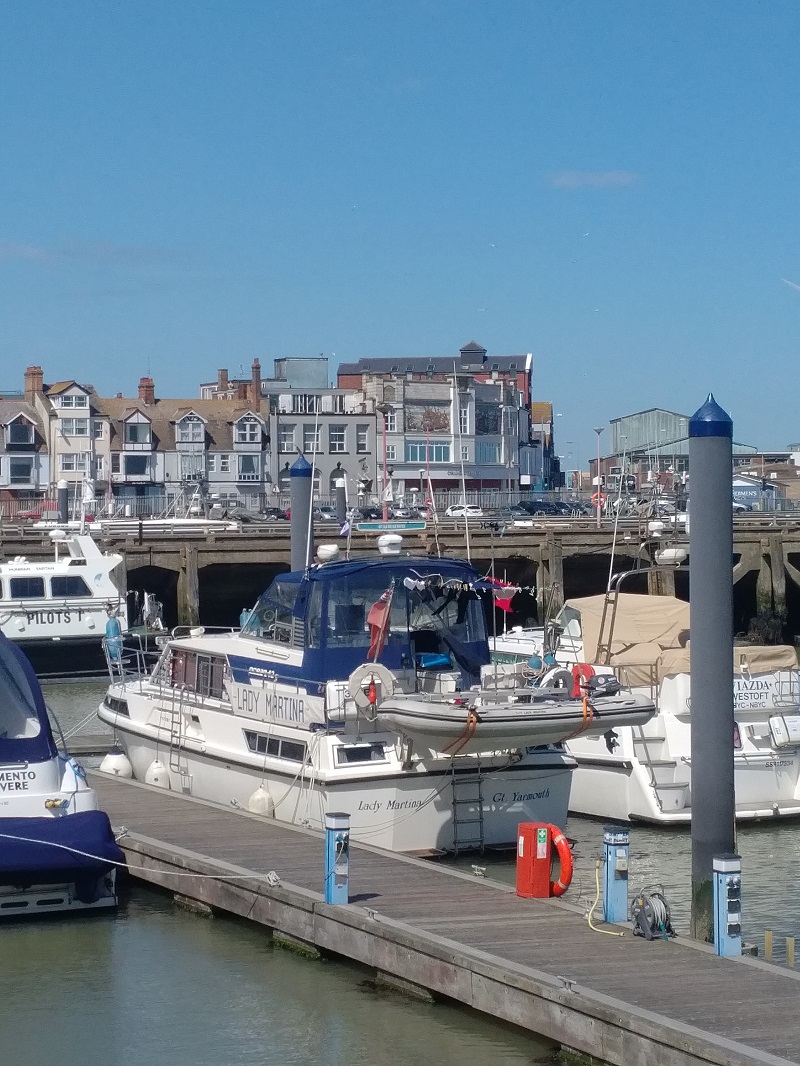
{"x": 602, "y": 685}
{"x": 650, "y": 915}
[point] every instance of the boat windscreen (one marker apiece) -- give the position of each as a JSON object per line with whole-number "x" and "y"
{"x": 271, "y": 618}
{"x": 24, "y": 729}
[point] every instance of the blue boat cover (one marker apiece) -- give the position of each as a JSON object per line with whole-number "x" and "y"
{"x": 25, "y": 733}
{"x": 37, "y": 851}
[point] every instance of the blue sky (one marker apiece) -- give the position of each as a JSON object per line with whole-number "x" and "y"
{"x": 612, "y": 186}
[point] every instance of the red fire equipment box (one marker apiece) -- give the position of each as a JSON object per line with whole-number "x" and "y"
{"x": 534, "y": 842}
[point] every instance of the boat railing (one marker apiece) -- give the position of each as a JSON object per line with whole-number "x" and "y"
{"x": 199, "y": 631}
{"x": 132, "y": 657}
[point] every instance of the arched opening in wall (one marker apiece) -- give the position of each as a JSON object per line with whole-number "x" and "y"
{"x": 155, "y": 581}
{"x": 389, "y": 393}
{"x": 338, "y": 474}
{"x": 226, "y": 589}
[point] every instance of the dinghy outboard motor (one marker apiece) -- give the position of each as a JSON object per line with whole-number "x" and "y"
{"x": 650, "y": 915}
{"x": 602, "y": 685}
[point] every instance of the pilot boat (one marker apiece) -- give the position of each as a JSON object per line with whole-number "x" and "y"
{"x": 57, "y": 850}
{"x": 48, "y": 604}
{"x": 361, "y": 687}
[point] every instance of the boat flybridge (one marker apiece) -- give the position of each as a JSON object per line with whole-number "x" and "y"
{"x": 65, "y": 599}
{"x": 57, "y": 850}
{"x": 363, "y": 687}
{"x": 643, "y": 773}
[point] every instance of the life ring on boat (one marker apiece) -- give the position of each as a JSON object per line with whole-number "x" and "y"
{"x": 559, "y": 677}
{"x": 581, "y": 674}
{"x": 598, "y": 499}
{"x": 370, "y": 683}
{"x": 561, "y": 844}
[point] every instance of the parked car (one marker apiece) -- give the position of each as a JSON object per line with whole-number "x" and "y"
{"x": 540, "y": 508}
{"x": 365, "y": 514}
{"x": 275, "y": 514}
{"x": 406, "y": 512}
{"x": 325, "y": 513}
{"x": 460, "y": 510}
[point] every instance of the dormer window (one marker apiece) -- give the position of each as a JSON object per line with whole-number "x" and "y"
{"x": 74, "y": 400}
{"x": 138, "y": 433}
{"x": 190, "y": 430}
{"x": 20, "y": 431}
{"x": 248, "y": 431}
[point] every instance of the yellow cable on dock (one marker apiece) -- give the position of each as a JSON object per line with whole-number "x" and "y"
{"x": 608, "y": 932}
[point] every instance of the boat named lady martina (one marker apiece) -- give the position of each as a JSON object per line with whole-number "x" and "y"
{"x": 363, "y": 687}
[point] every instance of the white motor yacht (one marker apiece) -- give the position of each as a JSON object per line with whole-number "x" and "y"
{"x": 362, "y": 687}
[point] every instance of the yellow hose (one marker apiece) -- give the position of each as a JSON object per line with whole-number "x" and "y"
{"x": 608, "y": 932}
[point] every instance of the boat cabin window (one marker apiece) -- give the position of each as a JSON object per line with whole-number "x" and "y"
{"x": 18, "y": 717}
{"x": 203, "y": 674}
{"x": 262, "y": 744}
{"x": 569, "y": 621}
{"x": 348, "y": 754}
{"x": 272, "y": 617}
{"x": 69, "y": 585}
{"x": 26, "y": 588}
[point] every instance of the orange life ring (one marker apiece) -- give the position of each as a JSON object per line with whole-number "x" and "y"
{"x": 561, "y": 844}
{"x": 581, "y": 672}
{"x": 598, "y": 499}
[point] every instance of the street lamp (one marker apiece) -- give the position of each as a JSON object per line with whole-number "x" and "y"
{"x": 384, "y": 409}
{"x": 598, "y": 497}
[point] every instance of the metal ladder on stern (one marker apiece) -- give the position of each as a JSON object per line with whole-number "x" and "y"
{"x": 467, "y": 793}
{"x": 172, "y": 719}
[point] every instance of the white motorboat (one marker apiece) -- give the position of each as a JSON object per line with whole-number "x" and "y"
{"x": 64, "y": 600}
{"x": 361, "y": 687}
{"x": 57, "y": 850}
{"x": 644, "y": 772}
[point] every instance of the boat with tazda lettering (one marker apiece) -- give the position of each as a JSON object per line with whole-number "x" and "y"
{"x": 57, "y": 850}
{"x": 362, "y": 687}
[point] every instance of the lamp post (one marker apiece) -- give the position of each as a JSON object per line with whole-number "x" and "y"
{"x": 598, "y": 430}
{"x": 384, "y": 409}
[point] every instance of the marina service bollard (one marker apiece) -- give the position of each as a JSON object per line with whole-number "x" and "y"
{"x": 533, "y": 860}
{"x": 616, "y": 852}
{"x": 337, "y": 857}
{"x": 727, "y": 905}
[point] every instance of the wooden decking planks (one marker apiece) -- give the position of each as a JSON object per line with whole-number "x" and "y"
{"x": 742, "y": 1000}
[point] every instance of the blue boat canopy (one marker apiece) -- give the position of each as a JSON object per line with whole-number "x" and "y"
{"x": 25, "y": 733}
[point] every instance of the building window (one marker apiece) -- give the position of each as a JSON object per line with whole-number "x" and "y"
{"x": 487, "y": 452}
{"x": 115, "y": 463}
{"x": 465, "y": 453}
{"x": 248, "y": 468}
{"x": 286, "y": 438}
{"x": 248, "y": 431}
{"x": 73, "y": 401}
{"x": 437, "y": 452}
{"x": 137, "y": 465}
{"x": 362, "y": 439}
{"x": 338, "y": 403}
{"x": 20, "y": 432}
{"x": 211, "y": 463}
{"x": 224, "y": 464}
{"x": 74, "y": 427}
{"x": 305, "y": 403}
{"x": 311, "y": 436}
{"x": 337, "y": 439}
{"x": 98, "y": 466}
{"x": 193, "y": 466}
{"x": 20, "y": 471}
{"x": 77, "y": 461}
{"x": 391, "y": 421}
{"x": 138, "y": 433}
{"x": 463, "y": 420}
{"x": 391, "y": 453}
{"x": 190, "y": 430}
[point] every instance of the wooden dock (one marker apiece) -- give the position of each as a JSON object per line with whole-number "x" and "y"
{"x": 534, "y": 963}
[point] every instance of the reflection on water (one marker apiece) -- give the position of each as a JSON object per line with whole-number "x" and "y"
{"x": 152, "y": 984}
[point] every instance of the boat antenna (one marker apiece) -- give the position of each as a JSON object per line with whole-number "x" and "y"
{"x": 457, "y": 406}
{"x": 617, "y": 513}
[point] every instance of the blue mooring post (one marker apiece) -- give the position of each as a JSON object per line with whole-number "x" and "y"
{"x": 727, "y": 905}
{"x": 616, "y": 851}
{"x": 337, "y": 857}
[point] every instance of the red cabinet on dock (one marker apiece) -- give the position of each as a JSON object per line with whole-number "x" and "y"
{"x": 534, "y": 844}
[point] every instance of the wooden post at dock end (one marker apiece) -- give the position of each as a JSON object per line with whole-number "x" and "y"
{"x": 188, "y": 587}
{"x": 790, "y": 951}
{"x": 768, "y": 945}
{"x": 778, "y": 576}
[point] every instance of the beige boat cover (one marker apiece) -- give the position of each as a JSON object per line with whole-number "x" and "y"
{"x": 651, "y": 639}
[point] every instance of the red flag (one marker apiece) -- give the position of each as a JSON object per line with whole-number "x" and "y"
{"x": 378, "y": 622}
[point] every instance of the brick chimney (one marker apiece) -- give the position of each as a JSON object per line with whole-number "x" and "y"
{"x": 34, "y": 382}
{"x": 222, "y": 381}
{"x": 255, "y": 386}
{"x": 147, "y": 391}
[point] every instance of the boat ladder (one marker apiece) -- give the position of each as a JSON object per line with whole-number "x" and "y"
{"x": 172, "y": 719}
{"x": 467, "y": 790}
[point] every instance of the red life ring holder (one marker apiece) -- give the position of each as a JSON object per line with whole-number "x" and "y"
{"x": 561, "y": 844}
{"x": 581, "y": 672}
{"x": 598, "y": 499}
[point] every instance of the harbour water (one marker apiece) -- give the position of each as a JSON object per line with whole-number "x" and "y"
{"x": 154, "y": 984}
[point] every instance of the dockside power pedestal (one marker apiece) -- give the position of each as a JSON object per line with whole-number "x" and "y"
{"x": 616, "y": 853}
{"x": 337, "y": 857}
{"x": 727, "y": 905}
